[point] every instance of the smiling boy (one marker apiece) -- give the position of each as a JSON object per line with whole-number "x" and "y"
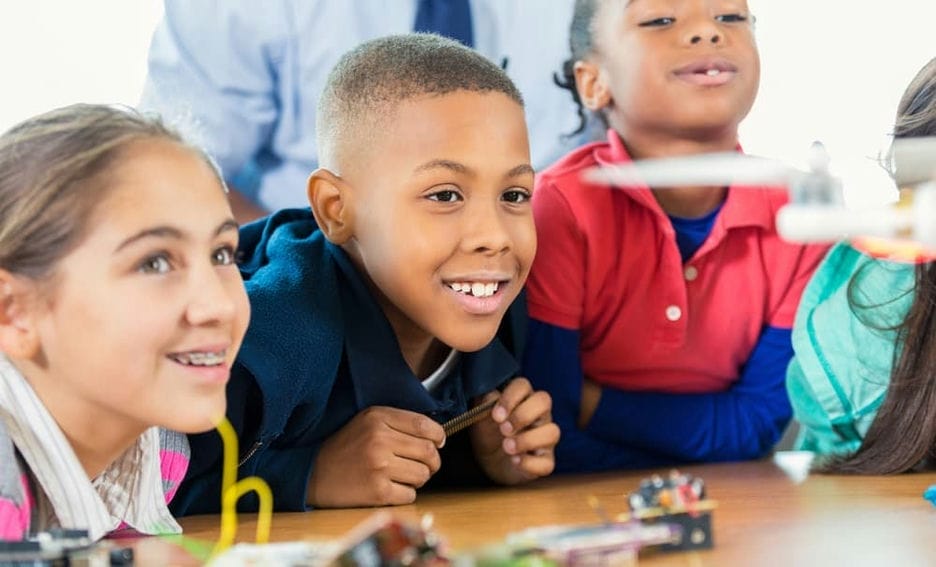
{"x": 381, "y": 317}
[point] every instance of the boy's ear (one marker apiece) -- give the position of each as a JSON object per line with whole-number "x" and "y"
{"x": 330, "y": 199}
{"x": 18, "y": 335}
{"x": 592, "y": 87}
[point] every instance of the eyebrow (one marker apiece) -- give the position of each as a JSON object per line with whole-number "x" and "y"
{"x": 450, "y": 165}
{"x": 171, "y": 232}
{"x": 522, "y": 169}
{"x": 442, "y": 164}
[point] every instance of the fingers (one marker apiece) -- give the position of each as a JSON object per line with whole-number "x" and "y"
{"x": 411, "y": 437}
{"x": 513, "y": 395}
{"x": 378, "y": 458}
{"x": 535, "y": 465}
{"x": 537, "y": 440}
{"x": 390, "y": 493}
{"x": 420, "y": 451}
{"x": 520, "y": 408}
{"x": 411, "y": 473}
{"x": 531, "y": 451}
{"x": 410, "y": 423}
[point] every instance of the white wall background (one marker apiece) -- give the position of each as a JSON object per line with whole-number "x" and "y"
{"x": 833, "y": 70}
{"x": 58, "y": 52}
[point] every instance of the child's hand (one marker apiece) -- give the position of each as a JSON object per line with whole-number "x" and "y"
{"x": 591, "y": 397}
{"x": 516, "y": 443}
{"x": 379, "y": 458}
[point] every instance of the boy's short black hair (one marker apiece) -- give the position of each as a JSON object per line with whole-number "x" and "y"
{"x": 370, "y": 80}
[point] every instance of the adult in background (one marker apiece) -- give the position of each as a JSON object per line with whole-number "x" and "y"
{"x": 244, "y": 78}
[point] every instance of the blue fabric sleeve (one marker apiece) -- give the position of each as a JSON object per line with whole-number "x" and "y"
{"x": 200, "y": 490}
{"x": 551, "y": 363}
{"x": 744, "y": 422}
{"x": 285, "y": 462}
{"x": 287, "y": 470}
{"x": 285, "y": 466}
{"x": 211, "y": 73}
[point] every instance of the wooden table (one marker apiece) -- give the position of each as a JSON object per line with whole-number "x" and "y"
{"x": 768, "y": 513}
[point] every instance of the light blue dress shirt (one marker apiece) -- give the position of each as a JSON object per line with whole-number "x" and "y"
{"x": 242, "y": 78}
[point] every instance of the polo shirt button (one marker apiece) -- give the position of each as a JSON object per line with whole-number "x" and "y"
{"x": 673, "y": 313}
{"x": 691, "y": 273}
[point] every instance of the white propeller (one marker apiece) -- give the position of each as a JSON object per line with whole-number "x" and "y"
{"x": 727, "y": 168}
{"x": 816, "y": 212}
{"x": 806, "y": 223}
{"x": 914, "y": 160}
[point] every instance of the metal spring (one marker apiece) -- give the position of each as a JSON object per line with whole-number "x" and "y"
{"x": 470, "y": 417}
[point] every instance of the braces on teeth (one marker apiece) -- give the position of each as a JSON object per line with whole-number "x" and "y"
{"x": 200, "y": 358}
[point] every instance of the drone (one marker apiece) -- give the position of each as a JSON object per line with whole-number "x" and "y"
{"x": 816, "y": 211}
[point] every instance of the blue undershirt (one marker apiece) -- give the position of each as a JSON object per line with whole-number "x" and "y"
{"x": 649, "y": 429}
{"x": 691, "y": 233}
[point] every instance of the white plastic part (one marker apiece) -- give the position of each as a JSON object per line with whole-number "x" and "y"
{"x": 729, "y": 168}
{"x": 924, "y": 214}
{"x": 915, "y": 160}
{"x": 803, "y": 223}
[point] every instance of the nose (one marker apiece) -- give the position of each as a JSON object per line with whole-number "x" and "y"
{"x": 485, "y": 230}
{"x": 702, "y": 31}
{"x": 715, "y": 38}
{"x": 212, "y": 299}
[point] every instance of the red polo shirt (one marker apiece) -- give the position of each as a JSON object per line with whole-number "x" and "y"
{"x": 607, "y": 265}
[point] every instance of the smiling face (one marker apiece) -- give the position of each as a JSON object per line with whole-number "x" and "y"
{"x": 142, "y": 320}
{"x": 684, "y": 67}
{"x": 442, "y": 221}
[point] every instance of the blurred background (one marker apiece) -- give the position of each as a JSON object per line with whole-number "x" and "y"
{"x": 833, "y": 71}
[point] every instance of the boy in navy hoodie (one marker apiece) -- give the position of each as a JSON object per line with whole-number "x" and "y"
{"x": 392, "y": 310}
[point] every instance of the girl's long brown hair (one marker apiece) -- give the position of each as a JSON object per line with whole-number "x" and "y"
{"x": 54, "y": 171}
{"x": 902, "y": 436}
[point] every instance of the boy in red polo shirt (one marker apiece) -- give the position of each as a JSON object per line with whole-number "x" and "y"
{"x": 661, "y": 316}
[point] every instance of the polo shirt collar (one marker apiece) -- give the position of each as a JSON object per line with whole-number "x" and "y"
{"x": 379, "y": 373}
{"x": 745, "y": 206}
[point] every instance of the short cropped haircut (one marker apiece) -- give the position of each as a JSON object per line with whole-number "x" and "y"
{"x": 369, "y": 81}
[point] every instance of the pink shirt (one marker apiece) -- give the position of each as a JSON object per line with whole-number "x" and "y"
{"x": 43, "y": 484}
{"x": 608, "y": 266}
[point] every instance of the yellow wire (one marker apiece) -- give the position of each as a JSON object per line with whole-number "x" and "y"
{"x": 232, "y": 490}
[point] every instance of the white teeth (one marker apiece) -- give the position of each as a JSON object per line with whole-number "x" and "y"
{"x": 199, "y": 358}
{"x": 712, "y": 72}
{"x": 477, "y": 289}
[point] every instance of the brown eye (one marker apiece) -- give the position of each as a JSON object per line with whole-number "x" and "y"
{"x": 223, "y": 256}
{"x": 657, "y": 22}
{"x": 445, "y": 196}
{"x": 516, "y": 196}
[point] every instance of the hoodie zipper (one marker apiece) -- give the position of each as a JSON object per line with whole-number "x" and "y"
{"x": 250, "y": 453}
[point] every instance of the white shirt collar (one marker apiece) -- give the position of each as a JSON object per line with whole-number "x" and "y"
{"x": 442, "y": 371}
{"x": 128, "y": 491}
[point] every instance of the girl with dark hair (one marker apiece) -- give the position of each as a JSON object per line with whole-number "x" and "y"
{"x": 661, "y": 316}
{"x": 863, "y": 381}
